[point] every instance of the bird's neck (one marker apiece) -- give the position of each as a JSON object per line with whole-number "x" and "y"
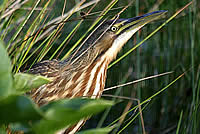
{"x": 85, "y": 58}
{"x": 96, "y": 74}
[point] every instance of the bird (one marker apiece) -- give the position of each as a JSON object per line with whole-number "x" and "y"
{"x": 83, "y": 73}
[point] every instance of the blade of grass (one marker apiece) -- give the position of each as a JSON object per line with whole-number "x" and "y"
{"x": 37, "y": 59}
{"x": 151, "y": 97}
{"x": 32, "y": 29}
{"x": 198, "y": 89}
{"x": 3, "y": 6}
{"x": 39, "y": 32}
{"x": 63, "y": 18}
{"x": 101, "y": 121}
{"x": 75, "y": 9}
{"x": 69, "y": 37}
{"x": 45, "y": 48}
{"x": 192, "y": 26}
{"x": 136, "y": 81}
{"x": 5, "y": 30}
{"x": 11, "y": 7}
{"x": 196, "y": 105}
{"x": 179, "y": 123}
{"x": 66, "y": 39}
{"x": 58, "y": 29}
{"x": 133, "y": 118}
{"x": 36, "y": 51}
{"x": 21, "y": 26}
{"x": 48, "y": 48}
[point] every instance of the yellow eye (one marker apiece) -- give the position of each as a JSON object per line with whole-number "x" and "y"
{"x": 114, "y": 28}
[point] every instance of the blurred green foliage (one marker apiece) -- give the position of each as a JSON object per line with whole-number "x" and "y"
{"x": 5, "y": 73}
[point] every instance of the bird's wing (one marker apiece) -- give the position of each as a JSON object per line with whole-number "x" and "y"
{"x": 64, "y": 75}
{"x": 48, "y": 68}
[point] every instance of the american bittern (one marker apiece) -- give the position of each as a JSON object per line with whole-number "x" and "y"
{"x": 84, "y": 73}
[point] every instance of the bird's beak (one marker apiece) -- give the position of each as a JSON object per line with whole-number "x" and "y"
{"x": 134, "y": 24}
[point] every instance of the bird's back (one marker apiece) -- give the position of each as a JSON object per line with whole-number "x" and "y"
{"x": 69, "y": 81}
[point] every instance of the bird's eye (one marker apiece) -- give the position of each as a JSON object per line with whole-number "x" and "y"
{"x": 113, "y": 28}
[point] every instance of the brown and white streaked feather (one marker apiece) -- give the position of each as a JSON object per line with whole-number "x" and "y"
{"x": 84, "y": 82}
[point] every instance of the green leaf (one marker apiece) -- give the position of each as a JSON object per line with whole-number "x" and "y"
{"x": 96, "y": 131}
{"x": 18, "y": 109}
{"x": 5, "y": 73}
{"x": 24, "y": 82}
{"x": 62, "y": 113}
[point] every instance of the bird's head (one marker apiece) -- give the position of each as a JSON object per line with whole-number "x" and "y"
{"x": 108, "y": 39}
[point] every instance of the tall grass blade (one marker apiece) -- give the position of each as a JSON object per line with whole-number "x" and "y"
{"x": 151, "y": 97}
{"x": 179, "y": 123}
{"x": 21, "y": 26}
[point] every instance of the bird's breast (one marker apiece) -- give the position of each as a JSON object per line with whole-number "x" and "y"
{"x": 91, "y": 81}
